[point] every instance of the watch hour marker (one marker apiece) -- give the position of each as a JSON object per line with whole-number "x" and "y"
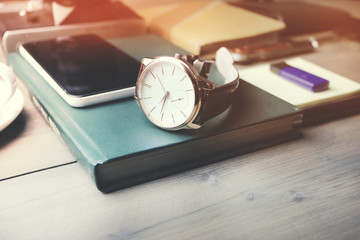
{"x": 172, "y": 115}
{"x": 172, "y": 74}
{"x": 162, "y": 69}
{"x": 183, "y": 113}
{"x": 191, "y": 89}
{"x": 183, "y": 78}
{"x": 144, "y": 98}
{"x": 147, "y": 85}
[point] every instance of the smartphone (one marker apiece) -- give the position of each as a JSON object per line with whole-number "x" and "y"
{"x": 83, "y": 69}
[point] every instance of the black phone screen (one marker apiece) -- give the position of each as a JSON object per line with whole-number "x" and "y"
{"x": 84, "y": 65}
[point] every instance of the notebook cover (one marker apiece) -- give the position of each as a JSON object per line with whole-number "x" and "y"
{"x": 341, "y": 99}
{"x": 119, "y": 147}
{"x": 202, "y": 27}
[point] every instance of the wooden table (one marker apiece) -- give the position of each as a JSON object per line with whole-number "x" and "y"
{"x": 308, "y": 188}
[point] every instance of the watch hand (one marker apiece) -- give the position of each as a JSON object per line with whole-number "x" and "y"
{"x": 165, "y": 98}
{"x": 162, "y": 98}
{"x": 161, "y": 83}
{"x": 179, "y": 99}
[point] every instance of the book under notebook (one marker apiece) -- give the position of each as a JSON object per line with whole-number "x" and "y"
{"x": 120, "y": 148}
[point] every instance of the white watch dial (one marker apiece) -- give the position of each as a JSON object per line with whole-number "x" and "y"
{"x": 166, "y": 93}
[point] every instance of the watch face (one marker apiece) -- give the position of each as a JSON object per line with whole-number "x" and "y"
{"x": 166, "y": 93}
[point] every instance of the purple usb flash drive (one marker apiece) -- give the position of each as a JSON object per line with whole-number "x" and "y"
{"x": 300, "y": 77}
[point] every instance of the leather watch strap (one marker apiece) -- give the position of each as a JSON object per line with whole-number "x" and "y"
{"x": 217, "y": 100}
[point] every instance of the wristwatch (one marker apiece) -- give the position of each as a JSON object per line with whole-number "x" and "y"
{"x": 174, "y": 92}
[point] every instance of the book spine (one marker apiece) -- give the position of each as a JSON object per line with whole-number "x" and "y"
{"x": 56, "y": 128}
{"x": 59, "y": 132}
{"x": 335, "y": 110}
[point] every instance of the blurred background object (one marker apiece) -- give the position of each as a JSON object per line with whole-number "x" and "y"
{"x": 42, "y": 13}
{"x": 301, "y": 17}
{"x": 85, "y": 11}
{"x": 25, "y": 14}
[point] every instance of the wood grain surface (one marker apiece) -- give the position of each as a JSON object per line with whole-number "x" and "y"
{"x": 304, "y": 189}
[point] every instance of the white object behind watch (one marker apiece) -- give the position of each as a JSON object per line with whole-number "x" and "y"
{"x": 11, "y": 99}
{"x": 225, "y": 64}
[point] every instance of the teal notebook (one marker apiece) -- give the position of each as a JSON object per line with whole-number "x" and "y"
{"x": 119, "y": 147}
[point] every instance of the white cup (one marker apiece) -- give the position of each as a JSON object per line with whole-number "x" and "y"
{"x": 7, "y": 84}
